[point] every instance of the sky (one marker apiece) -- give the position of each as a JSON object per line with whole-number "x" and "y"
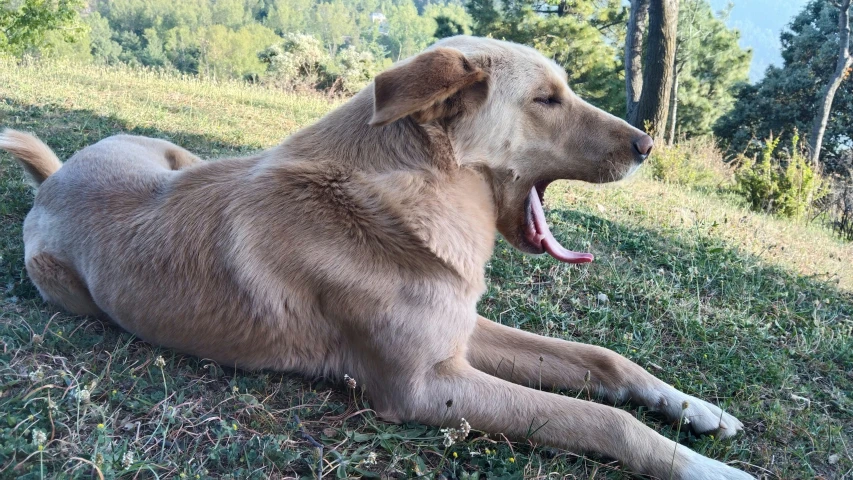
{"x": 760, "y": 22}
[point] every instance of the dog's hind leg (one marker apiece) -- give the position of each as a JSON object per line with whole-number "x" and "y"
{"x": 453, "y": 390}
{"x": 60, "y": 284}
{"x": 535, "y": 361}
{"x": 179, "y": 158}
{"x": 162, "y": 152}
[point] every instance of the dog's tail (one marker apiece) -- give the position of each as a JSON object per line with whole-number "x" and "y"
{"x": 38, "y": 159}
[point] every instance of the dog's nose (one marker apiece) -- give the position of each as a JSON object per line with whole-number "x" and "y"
{"x": 643, "y": 147}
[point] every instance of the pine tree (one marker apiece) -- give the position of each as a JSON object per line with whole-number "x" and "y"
{"x": 787, "y": 98}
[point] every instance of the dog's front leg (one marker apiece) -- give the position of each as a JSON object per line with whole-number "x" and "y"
{"x": 453, "y": 390}
{"x": 535, "y": 361}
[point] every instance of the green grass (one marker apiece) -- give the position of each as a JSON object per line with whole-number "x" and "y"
{"x": 742, "y": 309}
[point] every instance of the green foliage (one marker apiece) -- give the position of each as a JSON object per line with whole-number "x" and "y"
{"x": 584, "y": 37}
{"x": 223, "y": 38}
{"x": 288, "y": 16}
{"x": 234, "y": 53}
{"x": 783, "y": 182}
{"x": 332, "y": 22}
{"x": 408, "y": 32}
{"x": 696, "y": 162}
{"x": 355, "y": 69}
{"x": 298, "y": 62}
{"x": 58, "y": 44}
{"x": 103, "y": 48}
{"x": 788, "y": 96}
{"x": 301, "y": 62}
{"x": 485, "y": 16}
{"x": 711, "y": 65}
{"x": 450, "y": 19}
{"x": 24, "y": 24}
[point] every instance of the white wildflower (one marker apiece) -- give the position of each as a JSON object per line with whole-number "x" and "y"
{"x": 350, "y": 382}
{"x": 159, "y": 361}
{"x": 83, "y": 395}
{"x": 602, "y": 298}
{"x": 37, "y": 376}
{"x": 453, "y": 435}
{"x": 448, "y": 437}
{"x": 39, "y": 437}
{"x": 464, "y": 428}
{"x": 371, "y": 459}
{"x": 127, "y": 459}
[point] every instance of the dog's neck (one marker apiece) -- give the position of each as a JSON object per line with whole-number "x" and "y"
{"x": 346, "y": 136}
{"x": 449, "y": 207}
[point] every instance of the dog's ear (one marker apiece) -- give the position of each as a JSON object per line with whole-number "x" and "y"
{"x": 421, "y": 86}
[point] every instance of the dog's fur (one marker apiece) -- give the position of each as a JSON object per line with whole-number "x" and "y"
{"x": 358, "y": 246}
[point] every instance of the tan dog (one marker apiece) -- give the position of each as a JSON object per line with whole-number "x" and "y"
{"x": 358, "y": 247}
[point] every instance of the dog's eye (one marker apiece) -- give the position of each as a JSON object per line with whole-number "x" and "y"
{"x": 547, "y": 100}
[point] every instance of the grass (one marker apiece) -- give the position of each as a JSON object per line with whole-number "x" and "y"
{"x": 746, "y": 310}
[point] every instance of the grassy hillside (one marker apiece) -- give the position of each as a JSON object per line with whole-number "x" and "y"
{"x": 738, "y": 308}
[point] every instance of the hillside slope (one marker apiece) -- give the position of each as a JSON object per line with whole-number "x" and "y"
{"x": 742, "y": 309}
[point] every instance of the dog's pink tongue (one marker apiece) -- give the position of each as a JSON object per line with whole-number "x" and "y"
{"x": 552, "y": 246}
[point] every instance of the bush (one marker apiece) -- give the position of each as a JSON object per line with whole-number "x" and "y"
{"x": 781, "y": 182}
{"x": 355, "y": 69}
{"x": 297, "y": 63}
{"x": 697, "y": 162}
{"x": 301, "y": 63}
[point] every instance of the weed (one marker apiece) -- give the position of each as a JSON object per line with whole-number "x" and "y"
{"x": 697, "y": 162}
{"x": 784, "y": 182}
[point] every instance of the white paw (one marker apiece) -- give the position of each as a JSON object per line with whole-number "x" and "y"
{"x": 700, "y": 416}
{"x": 704, "y": 468}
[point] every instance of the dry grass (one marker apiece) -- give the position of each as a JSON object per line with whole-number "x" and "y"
{"x": 807, "y": 249}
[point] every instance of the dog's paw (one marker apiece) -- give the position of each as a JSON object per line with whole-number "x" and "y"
{"x": 700, "y": 416}
{"x": 703, "y": 468}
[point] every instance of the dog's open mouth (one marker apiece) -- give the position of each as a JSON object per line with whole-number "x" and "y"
{"x": 536, "y": 229}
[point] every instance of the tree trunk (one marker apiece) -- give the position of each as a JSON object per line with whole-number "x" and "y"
{"x": 845, "y": 61}
{"x": 653, "y": 107}
{"x": 634, "y": 56}
{"x": 673, "y": 112}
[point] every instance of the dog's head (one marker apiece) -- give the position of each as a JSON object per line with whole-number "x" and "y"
{"x": 510, "y": 112}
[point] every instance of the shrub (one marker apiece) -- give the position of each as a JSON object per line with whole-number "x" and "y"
{"x": 697, "y": 162}
{"x": 355, "y": 69}
{"x": 297, "y": 63}
{"x": 781, "y": 182}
